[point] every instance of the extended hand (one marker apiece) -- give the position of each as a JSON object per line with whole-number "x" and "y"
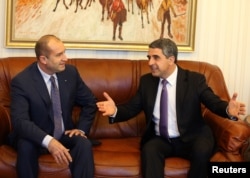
{"x": 107, "y": 107}
{"x": 59, "y": 152}
{"x": 236, "y": 108}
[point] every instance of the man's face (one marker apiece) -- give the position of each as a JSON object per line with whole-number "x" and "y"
{"x": 56, "y": 60}
{"x": 160, "y": 65}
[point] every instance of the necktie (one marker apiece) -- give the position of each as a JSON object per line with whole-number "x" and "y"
{"x": 164, "y": 110}
{"x": 56, "y": 104}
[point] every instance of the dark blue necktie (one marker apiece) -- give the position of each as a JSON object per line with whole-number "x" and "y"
{"x": 56, "y": 104}
{"x": 164, "y": 110}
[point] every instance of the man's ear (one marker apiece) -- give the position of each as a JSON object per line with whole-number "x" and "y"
{"x": 172, "y": 59}
{"x": 43, "y": 59}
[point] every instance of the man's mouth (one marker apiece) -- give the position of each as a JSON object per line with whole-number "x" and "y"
{"x": 153, "y": 68}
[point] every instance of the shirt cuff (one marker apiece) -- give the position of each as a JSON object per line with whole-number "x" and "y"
{"x": 230, "y": 116}
{"x": 112, "y": 117}
{"x": 114, "y": 113}
{"x": 46, "y": 140}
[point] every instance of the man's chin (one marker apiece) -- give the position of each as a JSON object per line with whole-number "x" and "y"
{"x": 155, "y": 74}
{"x": 61, "y": 69}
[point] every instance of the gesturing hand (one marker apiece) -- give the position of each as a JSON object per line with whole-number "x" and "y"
{"x": 107, "y": 107}
{"x": 236, "y": 108}
{"x": 59, "y": 152}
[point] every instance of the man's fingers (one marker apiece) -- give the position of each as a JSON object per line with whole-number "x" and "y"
{"x": 59, "y": 152}
{"x": 105, "y": 114}
{"x": 106, "y": 95}
{"x": 63, "y": 158}
{"x": 75, "y": 132}
{"x": 67, "y": 157}
{"x": 101, "y": 104}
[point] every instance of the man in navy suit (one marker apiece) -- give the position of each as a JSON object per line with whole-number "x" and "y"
{"x": 32, "y": 113}
{"x": 188, "y": 135}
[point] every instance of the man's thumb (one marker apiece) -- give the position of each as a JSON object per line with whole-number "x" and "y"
{"x": 234, "y": 96}
{"x": 106, "y": 95}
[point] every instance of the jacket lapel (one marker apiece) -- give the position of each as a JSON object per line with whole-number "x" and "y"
{"x": 41, "y": 87}
{"x": 153, "y": 92}
{"x": 180, "y": 90}
{"x": 63, "y": 88}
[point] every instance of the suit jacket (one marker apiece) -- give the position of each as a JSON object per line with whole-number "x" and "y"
{"x": 191, "y": 91}
{"x": 31, "y": 107}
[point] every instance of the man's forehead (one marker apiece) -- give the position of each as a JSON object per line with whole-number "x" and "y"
{"x": 155, "y": 51}
{"x": 56, "y": 46}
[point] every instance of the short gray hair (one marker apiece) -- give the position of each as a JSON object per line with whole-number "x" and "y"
{"x": 168, "y": 47}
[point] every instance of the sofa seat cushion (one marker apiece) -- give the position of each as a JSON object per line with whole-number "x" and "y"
{"x": 113, "y": 158}
{"x": 117, "y": 156}
{"x": 176, "y": 167}
{"x": 48, "y": 167}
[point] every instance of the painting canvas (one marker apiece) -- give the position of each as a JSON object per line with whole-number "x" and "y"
{"x": 101, "y": 24}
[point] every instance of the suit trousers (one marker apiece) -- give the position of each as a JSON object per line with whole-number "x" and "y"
{"x": 198, "y": 152}
{"x": 80, "y": 148}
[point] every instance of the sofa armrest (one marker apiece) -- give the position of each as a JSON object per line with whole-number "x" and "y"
{"x": 231, "y": 136}
{"x": 5, "y": 124}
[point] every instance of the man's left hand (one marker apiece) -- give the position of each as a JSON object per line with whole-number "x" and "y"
{"x": 75, "y": 132}
{"x": 236, "y": 108}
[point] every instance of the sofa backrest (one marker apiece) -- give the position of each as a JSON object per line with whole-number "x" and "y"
{"x": 118, "y": 77}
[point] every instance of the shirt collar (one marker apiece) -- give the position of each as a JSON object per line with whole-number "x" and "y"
{"x": 173, "y": 77}
{"x": 45, "y": 76}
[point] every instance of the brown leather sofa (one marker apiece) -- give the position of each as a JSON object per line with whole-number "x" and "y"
{"x": 119, "y": 155}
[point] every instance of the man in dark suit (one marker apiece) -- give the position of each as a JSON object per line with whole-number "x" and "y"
{"x": 33, "y": 118}
{"x": 187, "y": 134}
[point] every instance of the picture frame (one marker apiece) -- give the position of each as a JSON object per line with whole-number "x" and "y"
{"x": 88, "y": 26}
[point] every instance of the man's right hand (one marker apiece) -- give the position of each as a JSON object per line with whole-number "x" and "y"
{"x": 59, "y": 152}
{"x": 108, "y": 107}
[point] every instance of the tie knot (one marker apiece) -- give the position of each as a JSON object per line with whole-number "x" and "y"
{"x": 53, "y": 82}
{"x": 164, "y": 82}
{"x": 52, "y": 78}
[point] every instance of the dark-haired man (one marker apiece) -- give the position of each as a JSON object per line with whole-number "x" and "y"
{"x": 183, "y": 132}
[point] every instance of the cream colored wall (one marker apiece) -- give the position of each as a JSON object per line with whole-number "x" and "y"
{"x": 222, "y": 37}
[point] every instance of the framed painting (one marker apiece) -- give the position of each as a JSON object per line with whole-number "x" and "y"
{"x": 101, "y": 24}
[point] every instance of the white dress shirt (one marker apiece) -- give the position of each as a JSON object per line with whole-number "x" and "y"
{"x": 172, "y": 120}
{"x": 47, "y": 81}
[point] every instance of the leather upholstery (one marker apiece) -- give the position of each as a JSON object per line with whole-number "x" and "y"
{"x": 119, "y": 154}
